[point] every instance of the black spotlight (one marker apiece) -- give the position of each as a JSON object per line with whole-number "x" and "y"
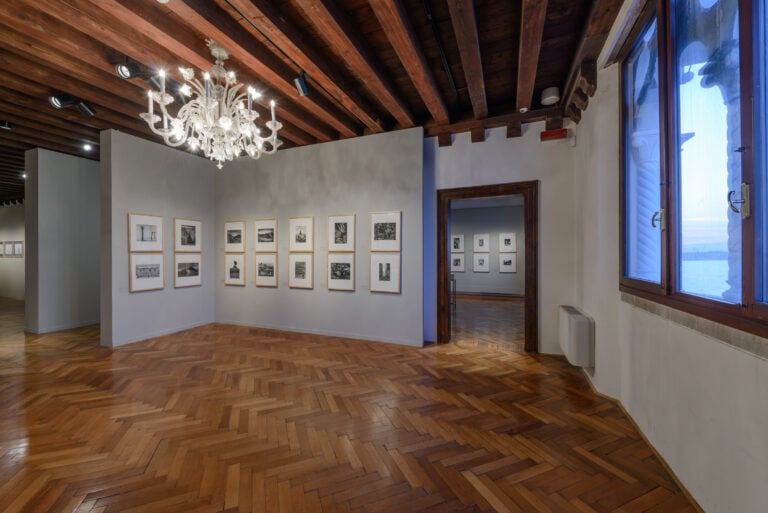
{"x": 300, "y": 83}
{"x": 86, "y": 108}
{"x": 5, "y": 125}
{"x": 128, "y": 69}
{"x": 61, "y": 100}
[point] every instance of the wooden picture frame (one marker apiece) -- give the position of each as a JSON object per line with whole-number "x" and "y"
{"x": 187, "y": 270}
{"x": 301, "y": 270}
{"x": 145, "y": 233}
{"x": 301, "y": 233}
{"x": 341, "y": 271}
{"x": 266, "y": 270}
{"x": 145, "y": 272}
{"x": 385, "y": 231}
{"x": 187, "y": 235}
{"x": 384, "y": 273}
{"x": 234, "y": 237}
{"x": 341, "y": 233}
{"x": 234, "y": 269}
{"x": 265, "y": 235}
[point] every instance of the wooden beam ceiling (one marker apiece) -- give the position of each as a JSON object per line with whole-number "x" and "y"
{"x": 532, "y": 18}
{"x": 465, "y": 27}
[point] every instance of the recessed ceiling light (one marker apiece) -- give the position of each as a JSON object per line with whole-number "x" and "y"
{"x": 87, "y": 147}
{"x": 5, "y": 125}
{"x": 127, "y": 70}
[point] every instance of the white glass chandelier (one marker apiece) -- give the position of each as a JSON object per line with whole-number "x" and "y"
{"x": 217, "y": 120}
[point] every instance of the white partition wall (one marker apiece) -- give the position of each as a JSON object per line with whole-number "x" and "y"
{"x": 12, "y": 269}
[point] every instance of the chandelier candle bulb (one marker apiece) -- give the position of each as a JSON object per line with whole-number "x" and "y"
{"x": 272, "y": 108}
{"x": 161, "y": 73}
{"x": 151, "y": 104}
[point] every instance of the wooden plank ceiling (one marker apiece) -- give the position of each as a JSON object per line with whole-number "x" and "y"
{"x": 371, "y": 65}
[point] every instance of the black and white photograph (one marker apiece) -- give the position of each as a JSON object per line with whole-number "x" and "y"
{"x": 507, "y": 262}
{"x": 385, "y": 231}
{"x": 146, "y": 272}
{"x": 145, "y": 233}
{"x": 481, "y": 243}
{"x": 188, "y": 236}
{"x": 507, "y": 242}
{"x": 481, "y": 263}
{"x": 266, "y": 235}
{"x": 457, "y": 243}
{"x": 234, "y": 269}
{"x": 234, "y": 237}
{"x": 18, "y": 249}
{"x": 341, "y": 232}
{"x": 300, "y": 271}
{"x": 301, "y": 232}
{"x": 8, "y": 249}
{"x": 188, "y": 270}
{"x": 457, "y": 263}
{"x": 266, "y": 270}
{"x": 385, "y": 272}
{"x": 341, "y": 271}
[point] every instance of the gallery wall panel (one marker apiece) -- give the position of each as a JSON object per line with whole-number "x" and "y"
{"x": 12, "y": 269}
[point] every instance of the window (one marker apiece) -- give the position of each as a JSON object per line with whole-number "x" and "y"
{"x": 695, "y": 171}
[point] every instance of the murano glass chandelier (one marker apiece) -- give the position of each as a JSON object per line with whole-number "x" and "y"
{"x": 218, "y": 119}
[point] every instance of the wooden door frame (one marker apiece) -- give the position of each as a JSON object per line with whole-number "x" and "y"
{"x": 530, "y": 192}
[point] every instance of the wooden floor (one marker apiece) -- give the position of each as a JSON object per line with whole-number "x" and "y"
{"x": 489, "y": 323}
{"x": 224, "y": 418}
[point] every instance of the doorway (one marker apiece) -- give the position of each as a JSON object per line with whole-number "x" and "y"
{"x": 528, "y": 192}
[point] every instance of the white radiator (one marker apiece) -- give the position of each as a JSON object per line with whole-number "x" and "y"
{"x": 577, "y": 337}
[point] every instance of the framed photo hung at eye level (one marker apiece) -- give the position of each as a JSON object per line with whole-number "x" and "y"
{"x": 301, "y": 231}
{"x": 481, "y": 243}
{"x": 266, "y": 235}
{"x": 507, "y": 262}
{"x": 266, "y": 270}
{"x": 385, "y": 273}
{"x": 457, "y": 262}
{"x": 187, "y": 236}
{"x": 341, "y": 271}
{"x": 341, "y": 232}
{"x": 385, "y": 231}
{"x": 146, "y": 272}
{"x": 234, "y": 237}
{"x": 507, "y": 242}
{"x": 300, "y": 267}
{"x": 480, "y": 263}
{"x": 457, "y": 243}
{"x": 145, "y": 233}
{"x": 187, "y": 270}
{"x": 234, "y": 269}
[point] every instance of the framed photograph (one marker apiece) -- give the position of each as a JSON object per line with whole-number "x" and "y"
{"x": 385, "y": 272}
{"x": 266, "y": 269}
{"x": 266, "y": 235}
{"x": 480, "y": 263}
{"x": 385, "y": 231}
{"x": 301, "y": 231}
{"x": 300, "y": 271}
{"x": 341, "y": 271}
{"x": 457, "y": 262}
{"x": 234, "y": 269}
{"x": 507, "y": 242}
{"x": 457, "y": 243}
{"x": 234, "y": 237}
{"x": 187, "y": 235}
{"x": 187, "y": 270}
{"x": 507, "y": 262}
{"x": 145, "y": 233}
{"x": 18, "y": 249}
{"x": 341, "y": 233}
{"x": 146, "y": 272}
{"x": 481, "y": 243}
{"x": 7, "y": 248}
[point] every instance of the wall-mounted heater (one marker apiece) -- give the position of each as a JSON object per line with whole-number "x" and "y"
{"x": 577, "y": 337}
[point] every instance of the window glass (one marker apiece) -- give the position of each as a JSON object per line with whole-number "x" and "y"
{"x": 761, "y": 160}
{"x": 642, "y": 174}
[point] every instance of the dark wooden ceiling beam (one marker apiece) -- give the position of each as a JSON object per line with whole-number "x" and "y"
{"x": 533, "y": 16}
{"x": 28, "y": 122}
{"x": 348, "y": 43}
{"x": 466, "y": 125}
{"x": 465, "y": 28}
{"x": 45, "y": 120}
{"x": 272, "y": 23}
{"x": 394, "y": 20}
{"x": 40, "y": 140}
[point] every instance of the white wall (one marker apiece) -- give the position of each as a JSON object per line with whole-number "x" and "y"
{"x": 62, "y": 232}
{"x": 12, "y": 269}
{"x": 502, "y": 160}
{"x": 380, "y": 172}
{"x": 139, "y": 176}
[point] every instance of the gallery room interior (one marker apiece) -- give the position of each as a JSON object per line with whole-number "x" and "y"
{"x": 384, "y": 255}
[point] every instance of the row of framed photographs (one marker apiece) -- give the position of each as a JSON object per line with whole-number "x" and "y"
{"x": 481, "y": 263}
{"x": 385, "y": 234}
{"x": 12, "y": 249}
{"x": 481, "y": 243}
{"x": 145, "y": 234}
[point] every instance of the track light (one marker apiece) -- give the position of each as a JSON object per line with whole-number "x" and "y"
{"x": 86, "y": 108}
{"x": 5, "y": 125}
{"x": 128, "y": 69}
{"x": 61, "y": 100}
{"x": 301, "y": 84}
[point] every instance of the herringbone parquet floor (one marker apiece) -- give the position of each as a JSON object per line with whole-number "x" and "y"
{"x": 225, "y": 418}
{"x": 489, "y": 323}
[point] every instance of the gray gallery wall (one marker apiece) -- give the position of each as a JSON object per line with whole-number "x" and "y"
{"x": 491, "y": 220}
{"x": 143, "y": 177}
{"x": 62, "y": 241}
{"x": 12, "y": 269}
{"x": 375, "y": 173}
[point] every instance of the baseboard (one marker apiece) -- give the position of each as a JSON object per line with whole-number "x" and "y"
{"x": 63, "y": 327}
{"x": 489, "y": 295}
{"x": 160, "y": 333}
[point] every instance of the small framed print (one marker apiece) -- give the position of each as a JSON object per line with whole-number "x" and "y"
{"x": 266, "y": 269}
{"x": 341, "y": 271}
{"x": 234, "y": 237}
{"x": 480, "y": 263}
{"x": 385, "y": 272}
{"x": 341, "y": 232}
{"x": 266, "y": 235}
{"x": 507, "y": 242}
{"x": 187, "y": 235}
{"x": 187, "y": 270}
{"x": 7, "y": 248}
{"x": 301, "y": 231}
{"x": 145, "y": 233}
{"x": 457, "y": 243}
{"x": 146, "y": 272}
{"x": 234, "y": 269}
{"x": 457, "y": 262}
{"x": 385, "y": 231}
{"x": 507, "y": 262}
{"x": 481, "y": 243}
{"x": 300, "y": 271}
{"x": 18, "y": 249}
